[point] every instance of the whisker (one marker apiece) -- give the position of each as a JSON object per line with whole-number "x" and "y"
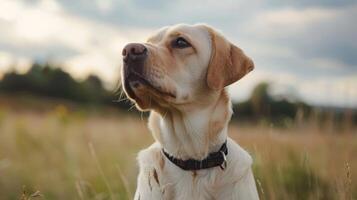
{"x": 141, "y": 116}
{"x": 132, "y": 106}
{"x": 120, "y": 100}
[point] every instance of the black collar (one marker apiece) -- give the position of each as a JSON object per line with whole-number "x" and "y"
{"x": 212, "y": 160}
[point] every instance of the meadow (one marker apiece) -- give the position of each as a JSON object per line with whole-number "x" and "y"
{"x": 52, "y": 151}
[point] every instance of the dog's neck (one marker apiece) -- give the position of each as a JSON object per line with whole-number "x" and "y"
{"x": 193, "y": 133}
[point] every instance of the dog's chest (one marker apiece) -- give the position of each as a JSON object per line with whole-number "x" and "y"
{"x": 159, "y": 178}
{"x": 201, "y": 184}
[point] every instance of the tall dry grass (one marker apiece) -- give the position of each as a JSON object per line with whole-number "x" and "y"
{"x": 91, "y": 155}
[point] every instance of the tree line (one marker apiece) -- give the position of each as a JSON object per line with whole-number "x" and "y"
{"x": 45, "y": 80}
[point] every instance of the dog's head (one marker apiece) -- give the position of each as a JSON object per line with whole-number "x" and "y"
{"x": 181, "y": 65}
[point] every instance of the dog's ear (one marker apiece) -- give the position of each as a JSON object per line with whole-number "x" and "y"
{"x": 228, "y": 63}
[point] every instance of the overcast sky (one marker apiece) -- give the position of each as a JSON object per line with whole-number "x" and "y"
{"x": 306, "y": 47}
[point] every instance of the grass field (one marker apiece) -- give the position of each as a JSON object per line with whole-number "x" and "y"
{"x": 91, "y": 155}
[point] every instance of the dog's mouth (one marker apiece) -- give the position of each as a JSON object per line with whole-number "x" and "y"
{"x": 134, "y": 81}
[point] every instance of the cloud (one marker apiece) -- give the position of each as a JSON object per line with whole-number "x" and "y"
{"x": 283, "y": 22}
{"x": 7, "y": 61}
{"x": 311, "y": 33}
{"x": 335, "y": 91}
{"x": 308, "y": 3}
{"x": 45, "y": 31}
{"x": 158, "y": 13}
{"x": 330, "y": 91}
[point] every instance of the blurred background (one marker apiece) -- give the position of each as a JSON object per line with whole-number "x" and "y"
{"x": 67, "y": 133}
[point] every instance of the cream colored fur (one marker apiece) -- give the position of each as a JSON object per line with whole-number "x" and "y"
{"x": 194, "y": 122}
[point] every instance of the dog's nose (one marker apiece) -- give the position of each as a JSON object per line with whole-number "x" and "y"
{"x": 134, "y": 52}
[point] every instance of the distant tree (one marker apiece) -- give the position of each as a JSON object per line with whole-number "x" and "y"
{"x": 13, "y": 82}
{"x": 262, "y": 105}
{"x": 261, "y": 100}
{"x": 51, "y": 81}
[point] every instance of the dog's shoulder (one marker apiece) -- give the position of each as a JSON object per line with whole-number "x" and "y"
{"x": 150, "y": 180}
{"x": 151, "y": 157}
{"x": 239, "y": 160}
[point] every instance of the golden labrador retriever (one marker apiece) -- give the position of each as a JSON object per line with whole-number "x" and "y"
{"x": 180, "y": 75}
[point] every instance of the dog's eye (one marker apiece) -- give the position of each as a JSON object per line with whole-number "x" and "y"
{"x": 180, "y": 43}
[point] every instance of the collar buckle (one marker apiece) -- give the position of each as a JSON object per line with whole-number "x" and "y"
{"x": 223, "y": 166}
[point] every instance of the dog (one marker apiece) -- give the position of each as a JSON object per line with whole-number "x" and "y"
{"x": 180, "y": 75}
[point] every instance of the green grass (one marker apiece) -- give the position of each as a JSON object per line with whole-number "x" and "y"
{"x": 67, "y": 154}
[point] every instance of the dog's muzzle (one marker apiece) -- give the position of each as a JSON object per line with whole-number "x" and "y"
{"x": 134, "y": 57}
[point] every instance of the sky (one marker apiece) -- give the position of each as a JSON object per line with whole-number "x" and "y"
{"x": 306, "y": 48}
